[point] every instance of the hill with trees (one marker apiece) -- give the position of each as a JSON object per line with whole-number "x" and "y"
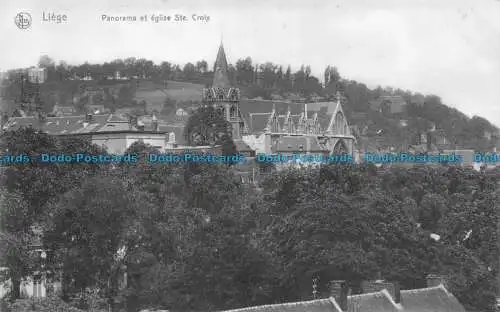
{"x": 160, "y": 87}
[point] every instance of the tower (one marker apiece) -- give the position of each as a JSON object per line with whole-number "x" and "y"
{"x": 31, "y": 81}
{"x": 222, "y": 95}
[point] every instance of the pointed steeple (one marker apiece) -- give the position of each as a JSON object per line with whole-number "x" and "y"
{"x": 221, "y": 79}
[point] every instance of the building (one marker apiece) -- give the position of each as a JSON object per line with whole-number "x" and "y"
{"x": 112, "y": 132}
{"x": 222, "y": 95}
{"x": 391, "y": 104}
{"x": 60, "y": 110}
{"x": 37, "y": 284}
{"x": 299, "y": 128}
{"x": 273, "y": 127}
{"x": 435, "y": 298}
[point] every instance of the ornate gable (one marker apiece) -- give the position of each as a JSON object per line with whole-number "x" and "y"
{"x": 338, "y": 123}
{"x": 221, "y": 94}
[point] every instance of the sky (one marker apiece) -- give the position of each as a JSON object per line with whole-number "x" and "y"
{"x": 450, "y": 48}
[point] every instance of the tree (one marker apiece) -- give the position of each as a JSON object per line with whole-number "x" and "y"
{"x": 91, "y": 232}
{"x": 244, "y": 71}
{"x": 189, "y": 71}
{"x": 15, "y": 237}
{"x": 45, "y": 62}
{"x": 207, "y": 126}
{"x": 202, "y": 66}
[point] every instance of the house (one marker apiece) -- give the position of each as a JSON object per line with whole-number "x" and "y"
{"x": 60, "y": 110}
{"x": 112, "y": 132}
{"x": 36, "y": 285}
{"x": 375, "y": 296}
{"x": 392, "y": 104}
{"x": 383, "y": 296}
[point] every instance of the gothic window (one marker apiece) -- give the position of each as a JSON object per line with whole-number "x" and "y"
{"x": 339, "y": 123}
{"x": 234, "y": 95}
{"x": 275, "y": 124}
{"x": 233, "y": 112}
{"x": 340, "y": 148}
{"x": 220, "y": 93}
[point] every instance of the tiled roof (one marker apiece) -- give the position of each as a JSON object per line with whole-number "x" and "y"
{"x": 373, "y": 302}
{"x": 248, "y": 106}
{"x": 320, "y": 305}
{"x": 257, "y": 123}
{"x": 72, "y": 124}
{"x": 242, "y": 146}
{"x": 430, "y": 300}
{"x": 316, "y": 106}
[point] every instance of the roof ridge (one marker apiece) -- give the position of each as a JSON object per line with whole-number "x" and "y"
{"x": 389, "y": 297}
{"x": 335, "y": 304}
{"x": 296, "y": 303}
{"x": 366, "y": 294}
{"x": 417, "y": 290}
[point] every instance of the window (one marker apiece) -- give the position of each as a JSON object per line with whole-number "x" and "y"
{"x": 339, "y": 123}
{"x": 37, "y": 286}
{"x": 232, "y": 112}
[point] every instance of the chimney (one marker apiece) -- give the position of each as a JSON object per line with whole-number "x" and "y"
{"x": 375, "y": 286}
{"x": 154, "y": 123}
{"x": 434, "y": 280}
{"x": 429, "y": 141}
{"x": 339, "y": 290}
{"x": 132, "y": 121}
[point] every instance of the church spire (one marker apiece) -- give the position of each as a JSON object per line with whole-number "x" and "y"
{"x": 221, "y": 79}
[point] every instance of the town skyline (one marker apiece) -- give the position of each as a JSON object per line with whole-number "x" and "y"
{"x": 445, "y": 48}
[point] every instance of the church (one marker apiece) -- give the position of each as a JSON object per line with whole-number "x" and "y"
{"x": 278, "y": 127}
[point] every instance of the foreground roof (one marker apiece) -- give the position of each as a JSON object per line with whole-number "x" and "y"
{"x": 373, "y": 302}
{"x": 320, "y": 305}
{"x": 430, "y": 300}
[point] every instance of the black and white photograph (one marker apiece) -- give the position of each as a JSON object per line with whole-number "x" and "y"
{"x": 250, "y": 156}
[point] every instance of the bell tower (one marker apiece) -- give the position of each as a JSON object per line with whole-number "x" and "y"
{"x": 222, "y": 95}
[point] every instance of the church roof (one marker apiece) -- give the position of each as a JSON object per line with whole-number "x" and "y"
{"x": 221, "y": 79}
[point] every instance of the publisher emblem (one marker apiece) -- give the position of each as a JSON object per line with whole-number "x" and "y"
{"x": 23, "y": 20}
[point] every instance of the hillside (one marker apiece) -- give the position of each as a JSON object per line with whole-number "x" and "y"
{"x": 155, "y": 94}
{"x": 182, "y": 87}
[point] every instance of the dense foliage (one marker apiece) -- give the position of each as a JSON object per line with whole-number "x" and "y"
{"x": 192, "y": 237}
